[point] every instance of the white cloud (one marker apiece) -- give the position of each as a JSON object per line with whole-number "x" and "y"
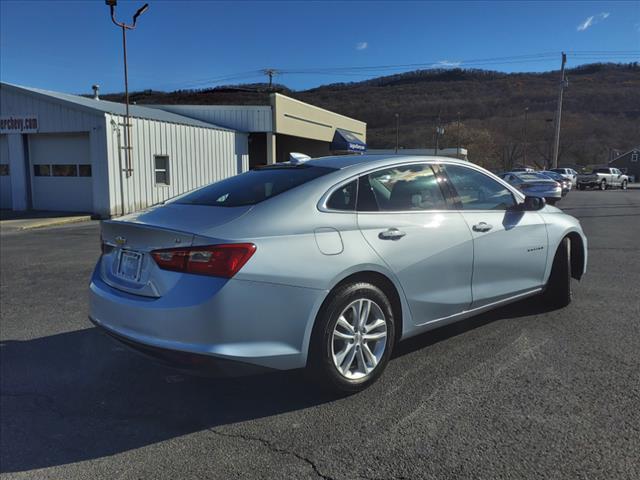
{"x": 361, "y": 45}
{"x": 447, "y": 64}
{"x": 592, "y": 20}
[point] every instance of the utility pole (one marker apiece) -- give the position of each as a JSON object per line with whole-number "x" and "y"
{"x": 439, "y": 131}
{"x": 270, "y": 72}
{"x": 458, "y": 143}
{"x": 397, "y": 132}
{"x": 526, "y": 112}
{"x": 556, "y": 142}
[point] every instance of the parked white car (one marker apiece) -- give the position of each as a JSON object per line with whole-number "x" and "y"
{"x": 568, "y": 173}
{"x": 603, "y": 178}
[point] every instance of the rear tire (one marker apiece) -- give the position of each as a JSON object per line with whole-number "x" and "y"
{"x": 557, "y": 293}
{"x": 328, "y": 361}
{"x": 603, "y": 185}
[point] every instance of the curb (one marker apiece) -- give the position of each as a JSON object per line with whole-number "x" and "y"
{"x": 55, "y": 222}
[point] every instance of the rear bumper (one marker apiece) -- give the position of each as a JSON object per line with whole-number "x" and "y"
{"x": 191, "y": 362}
{"x": 588, "y": 183}
{"x": 255, "y": 323}
{"x": 555, "y": 194}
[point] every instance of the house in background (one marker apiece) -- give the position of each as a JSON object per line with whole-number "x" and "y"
{"x": 629, "y": 163}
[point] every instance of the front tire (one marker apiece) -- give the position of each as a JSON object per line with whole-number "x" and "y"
{"x": 624, "y": 185}
{"x": 353, "y": 338}
{"x": 557, "y": 293}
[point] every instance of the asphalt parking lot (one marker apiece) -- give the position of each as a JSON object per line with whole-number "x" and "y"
{"x": 516, "y": 393}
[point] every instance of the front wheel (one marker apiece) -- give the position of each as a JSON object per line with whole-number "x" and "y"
{"x": 624, "y": 185}
{"x": 353, "y": 338}
{"x": 557, "y": 293}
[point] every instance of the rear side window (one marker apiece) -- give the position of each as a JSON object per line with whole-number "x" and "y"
{"x": 344, "y": 198}
{"x": 254, "y": 186}
{"x": 404, "y": 188}
{"x": 477, "y": 191}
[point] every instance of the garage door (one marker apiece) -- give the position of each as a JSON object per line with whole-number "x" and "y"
{"x": 61, "y": 172}
{"x": 5, "y": 173}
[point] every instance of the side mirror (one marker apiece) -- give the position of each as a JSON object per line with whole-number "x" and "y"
{"x": 533, "y": 203}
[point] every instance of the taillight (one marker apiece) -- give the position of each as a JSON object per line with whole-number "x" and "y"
{"x": 216, "y": 260}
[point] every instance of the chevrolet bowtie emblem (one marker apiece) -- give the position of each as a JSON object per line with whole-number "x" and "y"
{"x": 120, "y": 240}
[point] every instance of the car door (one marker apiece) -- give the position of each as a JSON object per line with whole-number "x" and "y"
{"x": 509, "y": 245}
{"x": 405, "y": 217}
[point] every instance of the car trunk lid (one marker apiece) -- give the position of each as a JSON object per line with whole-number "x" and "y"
{"x": 127, "y": 263}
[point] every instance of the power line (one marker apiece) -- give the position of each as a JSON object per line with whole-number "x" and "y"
{"x": 361, "y": 71}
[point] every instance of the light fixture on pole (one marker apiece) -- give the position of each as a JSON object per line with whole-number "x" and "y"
{"x": 127, "y": 130}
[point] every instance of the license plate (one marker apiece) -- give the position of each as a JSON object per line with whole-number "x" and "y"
{"x": 129, "y": 265}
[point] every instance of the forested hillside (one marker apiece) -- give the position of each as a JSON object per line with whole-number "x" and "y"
{"x": 601, "y": 110}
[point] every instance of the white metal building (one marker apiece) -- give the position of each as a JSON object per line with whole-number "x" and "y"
{"x": 66, "y": 153}
{"x": 285, "y": 125}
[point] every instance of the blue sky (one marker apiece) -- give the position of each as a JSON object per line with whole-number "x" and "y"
{"x": 69, "y": 45}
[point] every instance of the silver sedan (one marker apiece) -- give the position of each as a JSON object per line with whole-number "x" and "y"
{"x": 535, "y": 184}
{"x": 327, "y": 264}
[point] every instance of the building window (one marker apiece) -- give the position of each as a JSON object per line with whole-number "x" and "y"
{"x": 42, "y": 170}
{"x": 161, "y": 169}
{"x": 4, "y": 169}
{"x": 84, "y": 170}
{"x": 634, "y": 157}
{"x": 61, "y": 170}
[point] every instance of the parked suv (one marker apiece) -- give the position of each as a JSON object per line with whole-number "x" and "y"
{"x": 603, "y": 178}
{"x": 568, "y": 173}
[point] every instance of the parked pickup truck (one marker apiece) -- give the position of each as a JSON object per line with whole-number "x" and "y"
{"x": 603, "y": 178}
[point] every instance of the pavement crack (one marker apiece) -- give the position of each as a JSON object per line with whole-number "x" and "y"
{"x": 275, "y": 449}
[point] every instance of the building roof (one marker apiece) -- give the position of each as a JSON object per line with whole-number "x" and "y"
{"x": 633, "y": 150}
{"x": 115, "y": 108}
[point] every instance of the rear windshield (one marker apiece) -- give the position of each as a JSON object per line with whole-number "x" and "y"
{"x": 600, "y": 170}
{"x": 528, "y": 176}
{"x": 255, "y": 186}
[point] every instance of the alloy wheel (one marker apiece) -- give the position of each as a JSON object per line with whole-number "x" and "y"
{"x": 359, "y": 339}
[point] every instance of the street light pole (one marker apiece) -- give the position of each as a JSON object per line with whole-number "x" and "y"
{"x": 127, "y": 127}
{"x": 526, "y": 112}
{"x": 397, "y": 131}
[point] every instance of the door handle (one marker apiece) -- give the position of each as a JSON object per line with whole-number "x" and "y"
{"x": 391, "y": 234}
{"x": 482, "y": 227}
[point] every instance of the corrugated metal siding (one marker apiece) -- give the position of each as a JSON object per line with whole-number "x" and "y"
{"x": 242, "y": 118}
{"x": 197, "y": 156}
{"x": 52, "y": 117}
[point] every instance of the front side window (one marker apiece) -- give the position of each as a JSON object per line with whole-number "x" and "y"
{"x": 254, "y": 186}
{"x": 403, "y": 188}
{"x": 161, "y": 169}
{"x": 477, "y": 191}
{"x": 344, "y": 198}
